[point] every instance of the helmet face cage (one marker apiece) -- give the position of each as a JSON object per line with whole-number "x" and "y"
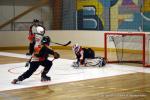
{"x": 76, "y": 48}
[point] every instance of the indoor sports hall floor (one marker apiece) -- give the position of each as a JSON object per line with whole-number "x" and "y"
{"x": 112, "y": 82}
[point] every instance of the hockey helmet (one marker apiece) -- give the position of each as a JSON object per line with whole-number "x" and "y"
{"x": 76, "y": 48}
{"x": 46, "y": 40}
{"x": 40, "y": 30}
{"x": 36, "y": 21}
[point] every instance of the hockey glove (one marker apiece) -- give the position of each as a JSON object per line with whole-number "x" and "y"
{"x": 27, "y": 64}
{"x": 56, "y": 55}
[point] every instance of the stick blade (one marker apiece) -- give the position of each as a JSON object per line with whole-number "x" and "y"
{"x": 67, "y": 43}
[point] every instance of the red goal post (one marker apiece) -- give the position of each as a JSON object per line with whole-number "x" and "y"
{"x": 130, "y": 47}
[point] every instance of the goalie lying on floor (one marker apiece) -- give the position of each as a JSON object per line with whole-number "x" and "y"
{"x": 84, "y": 55}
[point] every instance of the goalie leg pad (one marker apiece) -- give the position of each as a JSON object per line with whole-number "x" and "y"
{"x": 102, "y": 62}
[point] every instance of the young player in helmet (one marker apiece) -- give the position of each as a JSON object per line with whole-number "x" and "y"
{"x": 82, "y": 53}
{"x": 38, "y": 36}
{"x": 40, "y": 57}
{"x": 33, "y": 31}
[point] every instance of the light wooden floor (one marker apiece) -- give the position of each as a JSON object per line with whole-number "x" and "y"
{"x": 124, "y": 87}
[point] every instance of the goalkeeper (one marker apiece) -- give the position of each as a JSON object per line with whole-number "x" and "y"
{"x": 39, "y": 57}
{"x": 82, "y": 53}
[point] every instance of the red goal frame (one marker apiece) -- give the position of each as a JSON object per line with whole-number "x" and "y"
{"x": 143, "y": 35}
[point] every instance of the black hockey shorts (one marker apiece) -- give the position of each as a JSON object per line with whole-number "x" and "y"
{"x": 34, "y": 66}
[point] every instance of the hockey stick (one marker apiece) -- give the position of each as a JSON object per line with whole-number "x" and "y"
{"x": 62, "y": 44}
{"x": 28, "y": 62}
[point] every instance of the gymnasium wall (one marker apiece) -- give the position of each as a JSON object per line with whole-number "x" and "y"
{"x": 9, "y": 11}
{"x": 104, "y": 15}
{"x": 84, "y": 38}
{"x": 94, "y": 39}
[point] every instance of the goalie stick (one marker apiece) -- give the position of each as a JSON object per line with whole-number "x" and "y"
{"x": 69, "y": 42}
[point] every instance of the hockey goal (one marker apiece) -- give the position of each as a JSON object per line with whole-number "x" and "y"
{"x": 127, "y": 47}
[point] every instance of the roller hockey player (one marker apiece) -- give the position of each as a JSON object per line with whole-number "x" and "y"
{"x": 39, "y": 36}
{"x": 82, "y": 54}
{"x": 39, "y": 57}
{"x": 33, "y": 33}
{"x": 86, "y": 57}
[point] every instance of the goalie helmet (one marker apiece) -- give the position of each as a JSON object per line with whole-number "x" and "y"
{"x": 76, "y": 48}
{"x": 40, "y": 30}
{"x": 46, "y": 40}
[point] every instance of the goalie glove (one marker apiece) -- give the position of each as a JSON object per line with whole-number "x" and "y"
{"x": 56, "y": 55}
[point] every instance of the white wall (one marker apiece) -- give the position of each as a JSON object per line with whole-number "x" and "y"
{"x": 84, "y": 38}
